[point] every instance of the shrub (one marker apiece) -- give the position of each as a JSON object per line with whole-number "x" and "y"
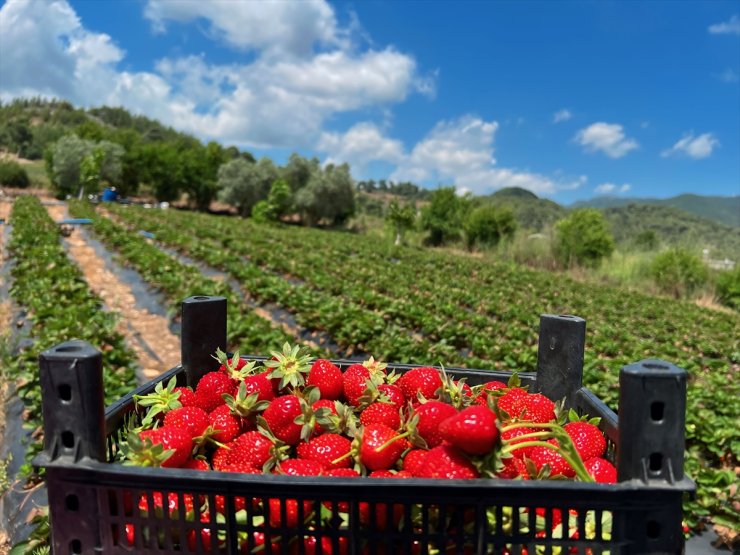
{"x": 728, "y": 288}
{"x": 678, "y": 272}
{"x": 583, "y": 238}
{"x": 488, "y": 224}
{"x": 12, "y": 174}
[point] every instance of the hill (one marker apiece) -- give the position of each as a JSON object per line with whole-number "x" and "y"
{"x": 724, "y": 210}
{"x": 532, "y": 213}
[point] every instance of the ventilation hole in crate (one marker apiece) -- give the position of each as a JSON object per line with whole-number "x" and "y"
{"x": 75, "y": 547}
{"x": 65, "y": 392}
{"x": 68, "y": 349}
{"x": 655, "y": 366}
{"x": 72, "y": 502}
{"x": 68, "y": 440}
{"x": 201, "y": 298}
{"x": 656, "y": 411}
{"x": 652, "y": 529}
{"x": 656, "y": 462}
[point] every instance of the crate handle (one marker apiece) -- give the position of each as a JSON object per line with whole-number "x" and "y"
{"x": 203, "y": 331}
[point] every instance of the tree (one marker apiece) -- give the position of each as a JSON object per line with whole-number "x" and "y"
{"x": 583, "y": 238}
{"x": 280, "y": 198}
{"x": 298, "y": 171}
{"x": 401, "y": 219}
{"x": 90, "y": 172}
{"x": 12, "y": 174}
{"x": 678, "y": 272}
{"x": 488, "y": 224}
{"x": 328, "y": 196}
{"x": 442, "y": 217}
{"x": 243, "y": 184}
{"x": 67, "y": 155}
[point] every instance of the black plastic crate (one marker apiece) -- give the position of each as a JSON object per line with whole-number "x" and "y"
{"x": 93, "y": 504}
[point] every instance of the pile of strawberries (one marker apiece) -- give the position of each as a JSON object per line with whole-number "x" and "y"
{"x": 289, "y": 415}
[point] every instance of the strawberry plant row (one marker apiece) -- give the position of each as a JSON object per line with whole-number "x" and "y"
{"x": 59, "y": 306}
{"x": 498, "y": 301}
{"x": 177, "y": 280}
{"x": 350, "y": 325}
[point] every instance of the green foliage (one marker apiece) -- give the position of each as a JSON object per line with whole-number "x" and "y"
{"x": 67, "y": 156}
{"x": 401, "y": 219}
{"x": 678, "y": 272}
{"x": 328, "y": 197}
{"x": 298, "y": 171}
{"x": 262, "y": 212}
{"x": 583, "y": 238}
{"x": 280, "y": 198}
{"x": 90, "y": 171}
{"x": 488, "y": 224}
{"x": 12, "y": 174}
{"x": 100, "y": 162}
{"x": 442, "y": 218}
{"x": 243, "y": 184}
{"x": 728, "y": 287}
{"x": 647, "y": 240}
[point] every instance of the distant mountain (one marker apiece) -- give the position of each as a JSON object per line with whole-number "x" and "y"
{"x": 532, "y": 213}
{"x": 725, "y": 210}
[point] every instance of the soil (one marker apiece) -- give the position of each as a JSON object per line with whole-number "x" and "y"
{"x": 5, "y": 314}
{"x": 156, "y": 347}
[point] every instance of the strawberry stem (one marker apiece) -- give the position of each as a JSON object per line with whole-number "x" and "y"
{"x": 390, "y": 441}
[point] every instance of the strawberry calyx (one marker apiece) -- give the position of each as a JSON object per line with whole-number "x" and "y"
{"x": 289, "y": 366}
{"x": 244, "y": 405}
{"x": 140, "y": 451}
{"x": 163, "y": 399}
{"x": 235, "y": 368}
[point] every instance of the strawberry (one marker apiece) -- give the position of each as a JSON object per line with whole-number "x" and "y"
{"x": 173, "y": 505}
{"x": 261, "y": 385}
{"x": 325, "y": 449}
{"x": 327, "y": 377}
{"x": 430, "y": 415}
{"x": 538, "y": 408}
{"x": 393, "y": 394}
{"x": 354, "y": 383}
{"x": 292, "y": 512}
{"x": 509, "y": 436}
{"x": 587, "y": 438}
{"x": 197, "y": 464}
{"x": 203, "y": 537}
{"x": 299, "y": 467}
{"x": 448, "y": 462}
{"x": 380, "y": 447}
{"x": 512, "y": 402}
{"x": 486, "y": 389}
{"x": 542, "y": 456}
{"x": 472, "y": 430}
{"x": 414, "y": 461}
{"x": 210, "y": 388}
{"x": 252, "y": 448}
{"x": 187, "y": 396}
{"x": 327, "y": 547}
{"x": 289, "y": 366}
{"x": 220, "y": 457}
{"x": 601, "y": 470}
{"x": 381, "y": 413}
{"x": 424, "y": 381}
{"x": 513, "y": 467}
{"x": 226, "y": 425}
{"x": 280, "y": 418}
{"x": 193, "y": 420}
{"x": 168, "y": 447}
{"x": 342, "y": 473}
{"x": 240, "y": 503}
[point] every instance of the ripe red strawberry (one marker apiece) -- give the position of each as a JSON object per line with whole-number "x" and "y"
{"x": 225, "y": 424}
{"x": 509, "y": 437}
{"x": 381, "y": 413}
{"x": 170, "y": 447}
{"x": 310, "y": 544}
{"x": 326, "y": 449}
{"x": 414, "y": 461}
{"x": 353, "y": 383}
{"x": 261, "y": 385}
{"x": 197, "y": 464}
{"x": 292, "y": 515}
{"x": 220, "y": 457}
{"x": 423, "y": 380}
{"x": 240, "y": 503}
{"x": 173, "y": 505}
{"x": 193, "y": 420}
{"x": 488, "y": 387}
{"x": 601, "y": 470}
{"x": 538, "y": 408}
{"x": 299, "y": 467}
{"x": 447, "y": 462}
{"x": 380, "y": 447}
{"x": 513, "y": 467}
{"x": 542, "y": 456}
{"x": 431, "y": 414}
{"x": 252, "y": 448}
{"x": 327, "y": 377}
{"x": 472, "y": 430}
{"x": 323, "y": 416}
{"x": 512, "y": 402}
{"x": 204, "y": 537}
{"x": 393, "y": 393}
{"x": 280, "y": 418}
{"x": 210, "y": 388}
{"x": 187, "y": 396}
{"x": 587, "y": 438}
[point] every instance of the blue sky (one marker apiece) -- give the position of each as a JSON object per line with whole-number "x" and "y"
{"x": 567, "y": 99}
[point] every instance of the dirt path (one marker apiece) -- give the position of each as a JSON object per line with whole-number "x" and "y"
{"x": 157, "y": 349}
{"x": 5, "y": 208}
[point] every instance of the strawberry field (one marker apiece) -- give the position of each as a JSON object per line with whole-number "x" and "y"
{"x": 351, "y": 296}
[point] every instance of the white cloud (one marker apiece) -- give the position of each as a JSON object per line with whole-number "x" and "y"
{"x": 303, "y": 69}
{"x": 460, "y": 152}
{"x": 611, "y": 188}
{"x": 278, "y": 28}
{"x": 693, "y": 147}
{"x": 606, "y": 137}
{"x": 360, "y": 145}
{"x": 562, "y": 115}
{"x": 729, "y": 76}
{"x": 731, "y": 27}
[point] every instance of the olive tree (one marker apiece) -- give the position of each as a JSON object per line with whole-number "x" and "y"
{"x": 243, "y": 184}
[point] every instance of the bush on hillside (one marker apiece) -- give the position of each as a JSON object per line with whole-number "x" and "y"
{"x": 728, "y": 288}
{"x": 442, "y": 217}
{"x": 679, "y": 272}
{"x": 12, "y": 174}
{"x": 583, "y": 238}
{"x": 488, "y": 224}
